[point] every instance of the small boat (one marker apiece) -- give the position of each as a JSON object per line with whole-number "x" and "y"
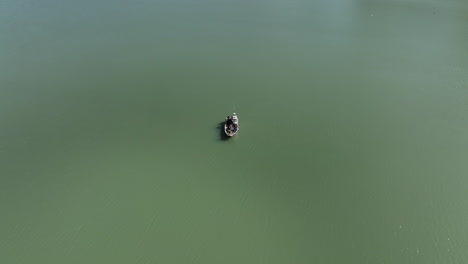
{"x": 231, "y": 125}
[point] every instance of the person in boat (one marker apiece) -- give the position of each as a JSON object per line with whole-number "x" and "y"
{"x": 229, "y": 121}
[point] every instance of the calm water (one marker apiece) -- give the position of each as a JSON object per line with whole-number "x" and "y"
{"x": 353, "y": 142}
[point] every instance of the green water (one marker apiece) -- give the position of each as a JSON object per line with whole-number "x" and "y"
{"x": 353, "y": 141}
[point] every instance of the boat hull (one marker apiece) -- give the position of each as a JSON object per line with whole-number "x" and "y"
{"x": 228, "y": 132}
{"x": 234, "y": 123}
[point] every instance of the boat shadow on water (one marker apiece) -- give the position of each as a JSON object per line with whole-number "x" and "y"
{"x": 222, "y": 135}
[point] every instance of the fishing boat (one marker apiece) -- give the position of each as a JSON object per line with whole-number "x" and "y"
{"x": 231, "y": 125}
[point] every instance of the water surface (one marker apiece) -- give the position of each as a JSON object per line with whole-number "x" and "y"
{"x": 352, "y": 145}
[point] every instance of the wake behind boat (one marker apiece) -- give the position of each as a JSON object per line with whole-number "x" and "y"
{"x": 231, "y": 125}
